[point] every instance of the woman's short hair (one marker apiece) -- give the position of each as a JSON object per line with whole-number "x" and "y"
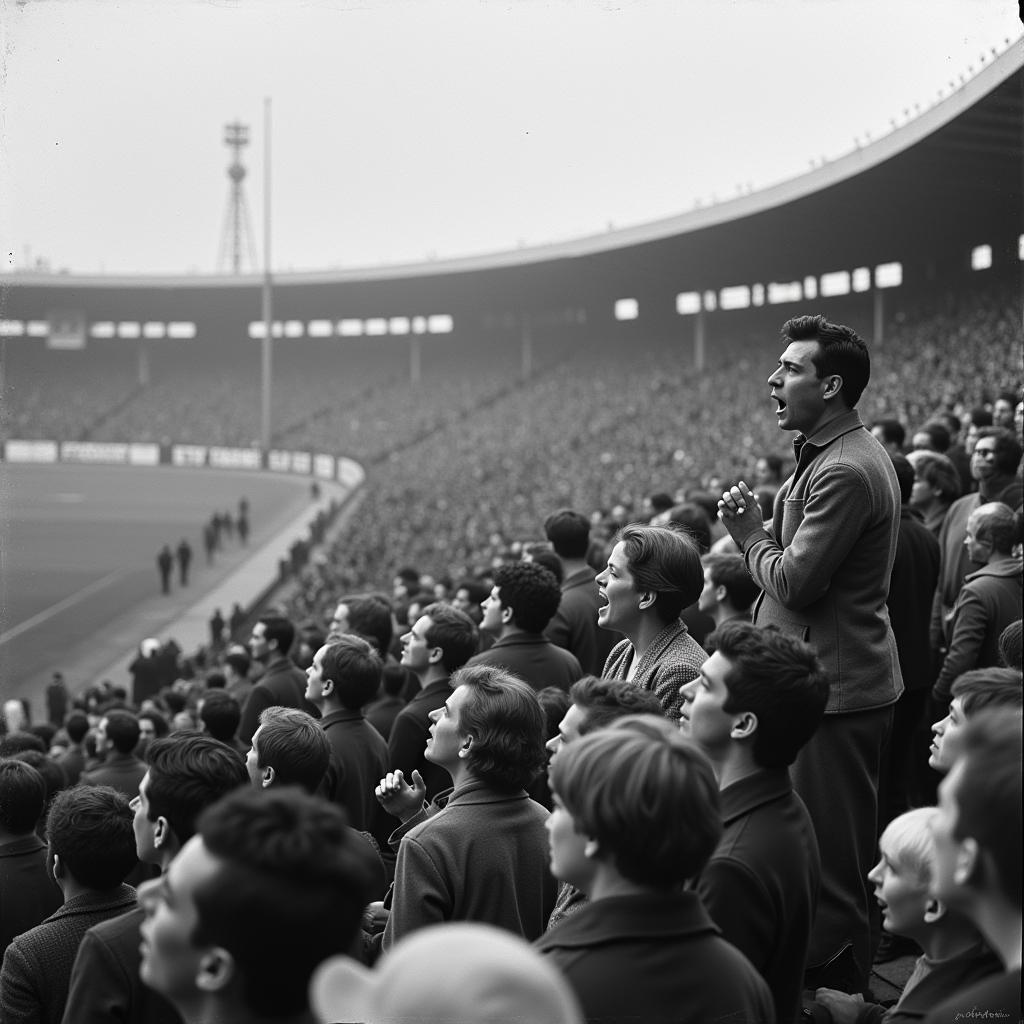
{"x": 665, "y": 561}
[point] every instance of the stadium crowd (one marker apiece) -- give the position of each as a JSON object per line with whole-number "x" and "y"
{"x": 636, "y": 733}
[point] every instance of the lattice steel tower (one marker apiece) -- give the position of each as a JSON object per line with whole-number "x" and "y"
{"x": 237, "y": 234}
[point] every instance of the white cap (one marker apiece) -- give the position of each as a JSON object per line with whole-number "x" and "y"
{"x": 456, "y": 973}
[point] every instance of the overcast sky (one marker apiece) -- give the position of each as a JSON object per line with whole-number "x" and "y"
{"x": 403, "y": 131}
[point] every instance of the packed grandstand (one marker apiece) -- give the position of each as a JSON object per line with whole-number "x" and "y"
{"x": 587, "y": 375}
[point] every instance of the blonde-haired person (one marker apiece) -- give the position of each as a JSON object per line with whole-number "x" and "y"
{"x": 955, "y": 955}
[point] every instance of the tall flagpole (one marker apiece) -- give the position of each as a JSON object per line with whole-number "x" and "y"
{"x": 267, "y": 346}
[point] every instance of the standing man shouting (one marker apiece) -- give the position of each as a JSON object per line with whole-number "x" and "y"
{"x": 823, "y": 565}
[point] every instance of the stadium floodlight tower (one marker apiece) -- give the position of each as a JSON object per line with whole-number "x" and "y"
{"x": 237, "y": 231}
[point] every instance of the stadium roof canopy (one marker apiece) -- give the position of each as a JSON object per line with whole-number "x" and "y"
{"x": 925, "y": 196}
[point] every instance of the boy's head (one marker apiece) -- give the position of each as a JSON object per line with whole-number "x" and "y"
{"x": 636, "y": 798}
{"x": 972, "y": 692}
{"x": 345, "y": 673}
{"x": 902, "y": 877}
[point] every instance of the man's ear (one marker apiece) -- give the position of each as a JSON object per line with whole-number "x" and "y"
{"x": 833, "y": 385}
{"x": 268, "y": 777}
{"x": 326, "y": 687}
{"x": 506, "y": 613}
{"x": 162, "y": 832}
{"x": 720, "y": 593}
{"x": 434, "y": 655}
{"x": 216, "y": 970}
{"x": 745, "y": 725}
{"x": 57, "y": 869}
{"x": 465, "y": 746}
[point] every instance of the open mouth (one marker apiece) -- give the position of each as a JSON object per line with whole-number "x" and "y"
{"x": 780, "y": 405}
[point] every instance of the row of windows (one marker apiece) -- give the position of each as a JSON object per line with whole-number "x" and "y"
{"x": 840, "y": 282}
{"x": 177, "y": 330}
{"x": 439, "y": 323}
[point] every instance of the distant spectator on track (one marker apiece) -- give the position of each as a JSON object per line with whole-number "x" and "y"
{"x": 216, "y": 629}
{"x": 164, "y": 563}
{"x": 56, "y": 699}
{"x": 184, "y": 556}
{"x": 146, "y": 671}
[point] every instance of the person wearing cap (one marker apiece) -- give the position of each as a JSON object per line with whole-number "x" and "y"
{"x": 635, "y": 815}
{"x": 490, "y": 977}
{"x": 479, "y": 851}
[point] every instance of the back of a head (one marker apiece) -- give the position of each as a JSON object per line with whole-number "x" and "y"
{"x": 531, "y": 591}
{"x": 547, "y": 559}
{"x": 989, "y": 799}
{"x": 937, "y": 434}
{"x": 1010, "y": 644}
{"x": 569, "y": 533}
{"x": 22, "y": 796}
{"x": 693, "y": 519}
{"x": 122, "y": 731}
{"x": 355, "y": 667}
{"x": 646, "y": 795}
{"x": 780, "y": 680}
{"x": 221, "y": 714}
{"x": 239, "y": 662}
{"x": 605, "y": 700}
{"x": 370, "y": 616}
{"x": 295, "y": 746}
{"x": 892, "y": 431}
{"x": 995, "y": 524}
{"x": 665, "y": 561}
{"x": 277, "y": 627}
{"x": 454, "y": 632}
{"x": 15, "y": 742}
{"x": 842, "y": 353}
{"x": 90, "y": 829}
{"x": 505, "y": 719}
{"x": 904, "y": 476}
{"x": 53, "y": 774}
{"x": 730, "y": 571}
{"x": 289, "y": 892}
{"x": 938, "y": 471}
{"x": 76, "y": 725}
{"x": 187, "y": 772}
{"x": 491, "y": 977}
